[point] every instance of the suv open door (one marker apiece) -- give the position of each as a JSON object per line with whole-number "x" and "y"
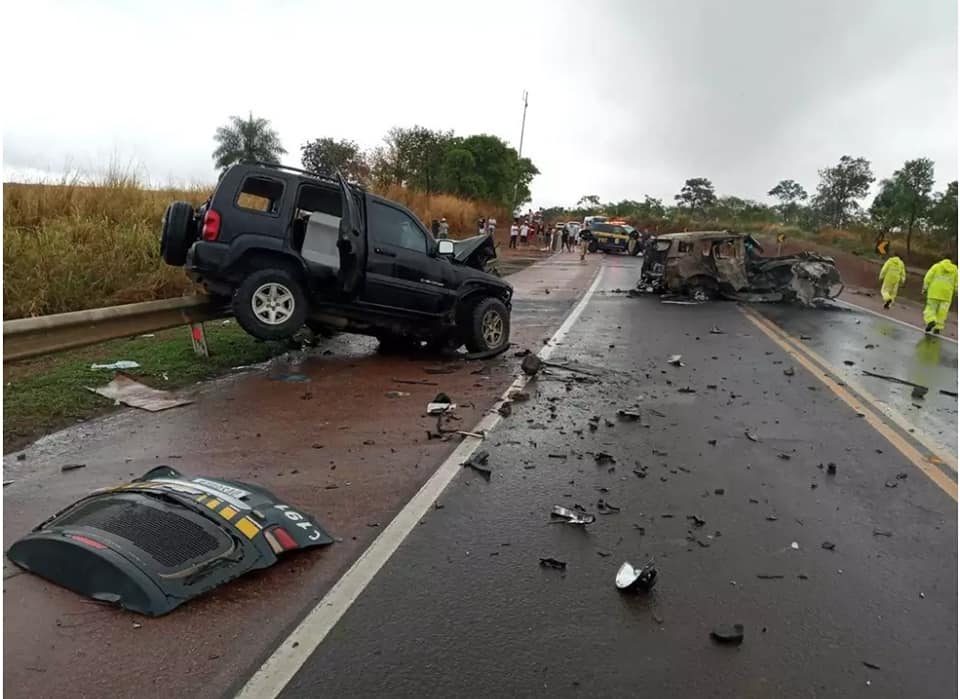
{"x": 351, "y": 242}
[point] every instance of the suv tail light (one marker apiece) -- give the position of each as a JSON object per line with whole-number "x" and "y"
{"x": 211, "y": 225}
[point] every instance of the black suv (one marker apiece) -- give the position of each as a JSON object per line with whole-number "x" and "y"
{"x": 291, "y": 248}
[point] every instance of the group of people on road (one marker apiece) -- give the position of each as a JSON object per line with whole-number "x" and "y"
{"x": 939, "y": 288}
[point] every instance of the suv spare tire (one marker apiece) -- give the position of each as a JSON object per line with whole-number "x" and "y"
{"x": 178, "y": 233}
{"x": 270, "y": 304}
{"x": 488, "y": 326}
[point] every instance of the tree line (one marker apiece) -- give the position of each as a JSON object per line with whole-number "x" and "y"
{"x": 905, "y": 204}
{"x": 479, "y": 166}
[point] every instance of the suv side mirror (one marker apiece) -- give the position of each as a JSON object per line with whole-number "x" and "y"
{"x": 444, "y": 247}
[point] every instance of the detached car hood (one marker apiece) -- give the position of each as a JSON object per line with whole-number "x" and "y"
{"x": 474, "y": 252}
{"x": 152, "y": 544}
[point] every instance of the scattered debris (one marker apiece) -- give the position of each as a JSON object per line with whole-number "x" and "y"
{"x": 478, "y": 462}
{"x": 126, "y": 390}
{"x": 712, "y": 442}
{"x": 789, "y": 371}
{"x": 891, "y": 484}
{"x": 674, "y": 359}
{"x": 505, "y": 409}
{"x": 919, "y": 392}
{"x": 697, "y": 521}
{"x": 795, "y": 546}
{"x": 849, "y": 362}
{"x": 396, "y": 394}
{"x": 771, "y": 518}
{"x": 718, "y": 491}
{"x": 602, "y": 458}
{"x": 882, "y": 532}
{"x": 629, "y": 415}
{"x": 828, "y": 545}
{"x": 752, "y": 437}
{"x": 440, "y": 405}
{"x": 902, "y": 476}
{"x": 716, "y": 331}
{"x": 290, "y": 378}
{"x": 606, "y": 508}
{"x": 630, "y": 578}
{"x": 417, "y": 382}
{"x": 640, "y": 528}
{"x": 831, "y": 469}
{"x": 727, "y": 633}
{"x": 21, "y": 457}
{"x": 765, "y": 576}
{"x": 572, "y": 516}
{"x": 686, "y": 389}
{"x": 439, "y": 369}
{"x": 784, "y": 457}
{"x": 520, "y": 397}
{"x": 6, "y": 483}
{"x": 894, "y": 379}
{"x": 118, "y": 365}
{"x": 805, "y": 337}
{"x": 553, "y": 563}
{"x": 476, "y": 435}
{"x": 870, "y": 665}
{"x": 531, "y": 364}
{"x": 71, "y": 467}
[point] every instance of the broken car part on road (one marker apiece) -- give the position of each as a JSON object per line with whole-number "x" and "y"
{"x": 630, "y": 578}
{"x": 569, "y": 516}
{"x": 152, "y": 544}
{"x": 127, "y": 390}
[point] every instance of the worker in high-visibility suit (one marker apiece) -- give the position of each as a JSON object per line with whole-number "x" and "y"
{"x": 893, "y": 274}
{"x": 939, "y": 286}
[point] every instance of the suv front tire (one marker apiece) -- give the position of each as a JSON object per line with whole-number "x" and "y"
{"x": 270, "y": 304}
{"x": 488, "y": 326}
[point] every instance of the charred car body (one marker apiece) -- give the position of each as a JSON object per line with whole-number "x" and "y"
{"x": 711, "y": 264}
{"x": 289, "y": 248}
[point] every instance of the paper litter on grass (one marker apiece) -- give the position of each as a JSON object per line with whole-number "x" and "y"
{"x": 124, "y": 389}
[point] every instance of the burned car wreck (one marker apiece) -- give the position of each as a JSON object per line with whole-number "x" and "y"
{"x": 719, "y": 264}
{"x": 152, "y": 544}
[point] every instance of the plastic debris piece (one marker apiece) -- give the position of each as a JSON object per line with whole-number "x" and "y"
{"x": 728, "y": 633}
{"x": 789, "y": 371}
{"x": 572, "y": 516}
{"x": 603, "y": 458}
{"x": 828, "y": 545}
{"x": 882, "y": 532}
{"x": 630, "y": 578}
{"x": 126, "y": 390}
{"x": 795, "y": 546}
{"x": 629, "y": 415}
{"x": 396, "y": 394}
{"x": 767, "y": 576}
{"x": 718, "y": 491}
{"x": 870, "y": 665}
{"x": 117, "y": 365}
{"x": 675, "y": 360}
{"x": 919, "y": 392}
{"x": 441, "y": 404}
{"x": 716, "y": 331}
{"x": 553, "y": 563}
{"x": 71, "y": 467}
{"x": 605, "y": 508}
{"x": 891, "y": 484}
{"x": 697, "y": 521}
{"x": 831, "y": 469}
{"x": 505, "y": 409}
{"x": 752, "y": 437}
{"x": 478, "y": 462}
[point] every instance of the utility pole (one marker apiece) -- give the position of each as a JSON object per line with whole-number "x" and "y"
{"x": 523, "y": 126}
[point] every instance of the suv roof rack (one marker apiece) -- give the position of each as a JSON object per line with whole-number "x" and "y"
{"x": 278, "y": 166}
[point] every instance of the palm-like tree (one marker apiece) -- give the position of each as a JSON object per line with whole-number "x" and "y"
{"x": 247, "y": 139}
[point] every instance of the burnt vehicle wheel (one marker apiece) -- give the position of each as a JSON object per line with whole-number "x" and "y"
{"x": 178, "y": 233}
{"x": 270, "y": 304}
{"x": 593, "y": 246}
{"x": 489, "y": 326}
{"x": 702, "y": 289}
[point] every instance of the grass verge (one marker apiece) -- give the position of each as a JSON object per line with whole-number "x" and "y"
{"x": 48, "y": 393}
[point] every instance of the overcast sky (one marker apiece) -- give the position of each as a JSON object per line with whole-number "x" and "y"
{"x": 626, "y": 98}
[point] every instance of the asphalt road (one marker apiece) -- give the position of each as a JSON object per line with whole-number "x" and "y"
{"x": 846, "y": 584}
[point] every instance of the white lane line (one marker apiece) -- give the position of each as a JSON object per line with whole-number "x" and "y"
{"x": 294, "y": 651}
{"x": 891, "y": 319}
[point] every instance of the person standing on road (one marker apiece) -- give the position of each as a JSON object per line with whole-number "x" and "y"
{"x": 524, "y": 232}
{"x": 584, "y": 243}
{"x": 514, "y": 234}
{"x": 939, "y": 287}
{"x": 444, "y": 229}
{"x": 892, "y": 275}
{"x": 481, "y": 225}
{"x": 491, "y": 225}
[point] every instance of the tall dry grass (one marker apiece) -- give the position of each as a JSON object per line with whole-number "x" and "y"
{"x": 70, "y": 246}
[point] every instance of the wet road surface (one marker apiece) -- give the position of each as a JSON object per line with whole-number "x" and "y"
{"x": 335, "y": 445}
{"x": 846, "y": 584}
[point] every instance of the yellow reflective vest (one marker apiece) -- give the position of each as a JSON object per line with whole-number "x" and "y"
{"x": 940, "y": 281}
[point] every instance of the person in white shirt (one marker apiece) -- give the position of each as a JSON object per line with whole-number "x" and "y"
{"x": 514, "y": 234}
{"x": 524, "y": 232}
{"x": 491, "y": 225}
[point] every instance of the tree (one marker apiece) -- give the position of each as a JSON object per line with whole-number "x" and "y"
{"x": 246, "y": 139}
{"x": 458, "y": 173}
{"x": 914, "y": 182}
{"x": 790, "y": 194}
{"x": 841, "y": 186}
{"x": 324, "y": 156}
{"x": 943, "y": 215}
{"x": 697, "y": 194}
{"x": 591, "y": 200}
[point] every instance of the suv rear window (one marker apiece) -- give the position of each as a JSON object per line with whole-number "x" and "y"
{"x": 260, "y": 194}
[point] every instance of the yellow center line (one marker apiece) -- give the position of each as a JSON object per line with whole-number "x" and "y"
{"x": 801, "y": 356}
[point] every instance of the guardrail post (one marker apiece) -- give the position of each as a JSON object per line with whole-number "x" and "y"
{"x": 199, "y": 339}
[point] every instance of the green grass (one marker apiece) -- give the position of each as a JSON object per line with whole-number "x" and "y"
{"x": 45, "y": 394}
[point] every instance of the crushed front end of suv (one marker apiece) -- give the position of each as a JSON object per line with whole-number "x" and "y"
{"x": 711, "y": 264}
{"x": 289, "y": 248}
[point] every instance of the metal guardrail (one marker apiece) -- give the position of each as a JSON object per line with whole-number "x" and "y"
{"x": 32, "y": 337}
